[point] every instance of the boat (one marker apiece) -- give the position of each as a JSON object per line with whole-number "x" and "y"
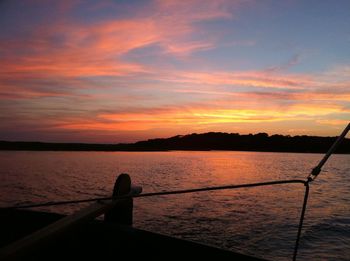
{"x": 35, "y": 235}
{"x": 101, "y": 240}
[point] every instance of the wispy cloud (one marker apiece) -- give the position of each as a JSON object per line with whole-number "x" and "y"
{"x": 247, "y": 79}
{"x": 66, "y": 49}
{"x": 335, "y": 122}
{"x": 294, "y": 60}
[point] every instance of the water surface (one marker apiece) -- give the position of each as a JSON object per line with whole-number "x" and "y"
{"x": 257, "y": 221}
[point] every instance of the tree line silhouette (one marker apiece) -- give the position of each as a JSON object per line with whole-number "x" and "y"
{"x": 205, "y": 141}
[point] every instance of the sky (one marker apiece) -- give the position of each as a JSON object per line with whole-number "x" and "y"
{"x": 122, "y": 71}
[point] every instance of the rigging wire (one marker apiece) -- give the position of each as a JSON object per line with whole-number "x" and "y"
{"x": 316, "y": 170}
{"x": 301, "y": 221}
{"x": 161, "y": 193}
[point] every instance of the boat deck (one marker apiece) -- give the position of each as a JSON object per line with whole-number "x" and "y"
{"x": 103, "y": 241}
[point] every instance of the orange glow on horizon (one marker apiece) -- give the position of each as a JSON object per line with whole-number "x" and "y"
{"x": 174, "y": 118}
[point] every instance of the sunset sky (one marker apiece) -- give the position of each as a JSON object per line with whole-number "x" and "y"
{"x": 122, "y": 71}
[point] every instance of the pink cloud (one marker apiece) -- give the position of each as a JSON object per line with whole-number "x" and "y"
{"x": 95, "y": 49}
{"x": 65, "y": 49}
{"x": 272, "y": 96}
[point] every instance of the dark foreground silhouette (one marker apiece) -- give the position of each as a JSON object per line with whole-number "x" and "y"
{"x": 80, "y": 236}
{"x": 205, "y": 141}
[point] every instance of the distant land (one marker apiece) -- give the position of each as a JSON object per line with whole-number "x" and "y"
{"x": 205, "y": 141}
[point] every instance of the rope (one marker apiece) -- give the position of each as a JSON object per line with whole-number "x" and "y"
{"x": 161, "y": 193}
{"x": 312, "y": 176}
{"x": 306, "y": 196}
{"x": 316, "y": 170}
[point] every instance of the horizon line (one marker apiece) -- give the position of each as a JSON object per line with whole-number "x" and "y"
{"x": 169, "y": 137}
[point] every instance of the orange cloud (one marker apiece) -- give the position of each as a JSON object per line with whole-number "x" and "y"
{"x": 335, "y": 122}
{"x": 212, "y": 115}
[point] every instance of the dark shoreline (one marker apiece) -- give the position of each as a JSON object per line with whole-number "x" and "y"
{"x": 188, "y": 150}
{"x": 219, "y": 141}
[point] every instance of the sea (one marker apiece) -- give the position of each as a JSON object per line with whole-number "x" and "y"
{"x": 259, "y": 221}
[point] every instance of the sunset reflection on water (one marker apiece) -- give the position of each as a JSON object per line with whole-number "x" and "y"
{"x": 257, "y": 221}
